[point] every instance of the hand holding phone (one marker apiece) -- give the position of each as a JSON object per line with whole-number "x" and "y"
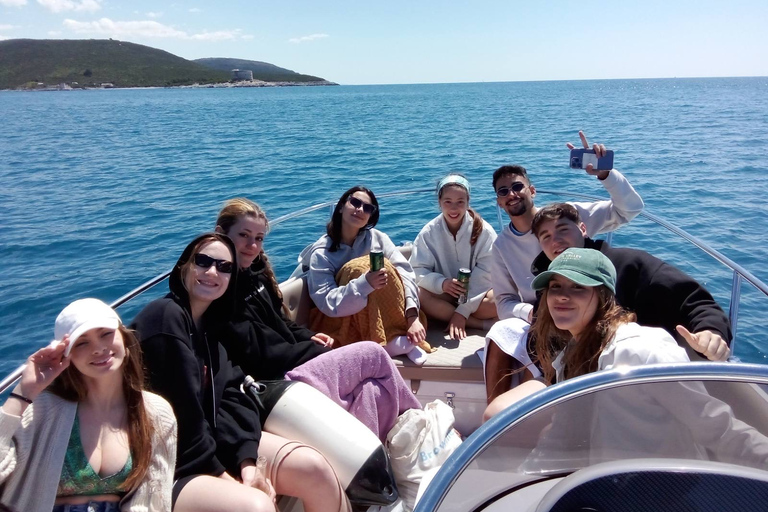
{"x": 581, "y": 158}
{"x": 596, "y": 160}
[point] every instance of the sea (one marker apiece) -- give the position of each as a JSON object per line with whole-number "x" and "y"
{"x": 100, "y": 190}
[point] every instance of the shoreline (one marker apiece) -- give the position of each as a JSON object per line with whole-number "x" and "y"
{"x": 216, "y": 85}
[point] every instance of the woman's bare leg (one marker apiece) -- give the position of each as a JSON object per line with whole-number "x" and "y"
{"x": 301, "y": 471}
{"x": 510, "y": 397}
{"x": 211, "y": 494}
{"x": 487, "y": 309}
{"x": 435, "y": 306}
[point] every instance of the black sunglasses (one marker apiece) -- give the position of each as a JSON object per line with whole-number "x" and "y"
{"x": 516, "y": 187}
{"x": 368, "y": 208}
{"x": 205, "y": 261}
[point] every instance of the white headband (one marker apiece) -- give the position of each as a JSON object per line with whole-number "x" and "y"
{"x": 453, "y": 179}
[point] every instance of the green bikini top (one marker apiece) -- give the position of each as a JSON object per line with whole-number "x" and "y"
{"x": 78, "y": 477}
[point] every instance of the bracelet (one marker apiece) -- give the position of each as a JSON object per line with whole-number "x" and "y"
{"x": 22, "y": 398}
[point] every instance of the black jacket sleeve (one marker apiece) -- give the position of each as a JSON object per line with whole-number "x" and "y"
{"x": 175, "y": 373}
{"x": 663, "y": 296}
{"x": 238, "y": 426}
{"x": 262, "y": 353}
{"x": 688, "y": 303}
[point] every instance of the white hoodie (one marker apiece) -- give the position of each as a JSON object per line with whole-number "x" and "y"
{"x": 438, "y": 256}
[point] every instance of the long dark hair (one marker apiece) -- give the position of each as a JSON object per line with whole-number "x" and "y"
{"x": 477, "y": 219}
{"x": 581, "y": 358}
{"x": 70, "y": 385}
{"x": 333, "y": 229}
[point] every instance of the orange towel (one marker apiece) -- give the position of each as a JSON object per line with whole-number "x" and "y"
{"x": 380, "y": 321}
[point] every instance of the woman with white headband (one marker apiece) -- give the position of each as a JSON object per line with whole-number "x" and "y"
{"x": 456, "y": 239}
{"x": 78, "y": 433}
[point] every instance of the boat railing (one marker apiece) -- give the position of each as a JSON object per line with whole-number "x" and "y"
{"x": 740, "y": 274}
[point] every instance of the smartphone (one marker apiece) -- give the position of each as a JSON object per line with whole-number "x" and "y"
{"x": 580, "y": 158}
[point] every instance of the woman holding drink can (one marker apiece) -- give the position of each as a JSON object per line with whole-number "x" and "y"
{"x": 356, "y": 302}
{"x": 452, "y": 259}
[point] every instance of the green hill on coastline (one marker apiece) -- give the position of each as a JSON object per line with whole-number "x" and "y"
{"x": 261, "y": 70}
{"x": 26, "y": 63}
{"x": 93, "y": 62}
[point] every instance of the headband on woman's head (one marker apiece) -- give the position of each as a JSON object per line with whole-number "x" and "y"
{"x": 453, "y": 179}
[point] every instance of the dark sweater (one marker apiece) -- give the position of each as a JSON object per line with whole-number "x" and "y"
{"x": 218, "y": 425}
{"x": 259, "y": 337}
{"x": 658, "y": 293}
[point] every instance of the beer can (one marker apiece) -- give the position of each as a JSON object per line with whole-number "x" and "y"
{"x": 463, "y": 278}
{"x": 377, "y": 260}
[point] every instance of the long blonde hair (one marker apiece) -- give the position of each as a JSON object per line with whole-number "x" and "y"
{"x": 71, "y": 386}
{"x": 237, "y": 208}
{"x": 581, "y": 358}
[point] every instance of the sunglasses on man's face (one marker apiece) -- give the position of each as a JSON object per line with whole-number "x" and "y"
{"x": 368, "y": 208}
{"x": 516, "y": 187}
{"x": 205, "y": 261}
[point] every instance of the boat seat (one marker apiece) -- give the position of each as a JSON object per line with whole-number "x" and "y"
{"x": 661, "y": 485}
{"x": 453, "y": 361}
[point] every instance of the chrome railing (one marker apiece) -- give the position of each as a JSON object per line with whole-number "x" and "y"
{"x": 739, "y": 273}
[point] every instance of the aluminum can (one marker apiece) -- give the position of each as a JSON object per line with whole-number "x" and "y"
{"x": 377, "y": 260}
{"x": 463, "y": 278}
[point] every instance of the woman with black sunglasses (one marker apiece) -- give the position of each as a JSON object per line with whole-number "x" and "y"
{"x": 342, "y": 284}
{"x": 219, "y": 427}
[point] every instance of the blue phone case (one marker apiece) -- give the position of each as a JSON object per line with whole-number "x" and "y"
{"x": 580, "y": 158}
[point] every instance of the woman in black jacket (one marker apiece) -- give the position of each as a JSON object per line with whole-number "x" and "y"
{"x": 360, "y": 377}
{"x": 219, "y": 427}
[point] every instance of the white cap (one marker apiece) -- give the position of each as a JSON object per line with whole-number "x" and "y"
{"x": 82, "y": 316}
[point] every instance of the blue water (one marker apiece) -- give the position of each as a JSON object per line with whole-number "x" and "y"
{"x": 100, "y": 190}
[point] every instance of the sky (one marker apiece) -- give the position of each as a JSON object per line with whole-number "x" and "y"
{"x": 427, "y": 41}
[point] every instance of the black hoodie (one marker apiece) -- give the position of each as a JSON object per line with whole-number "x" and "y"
{"x": 219, "y": 426}
{"x": 259, "y": 337}
{"x": 658, "y": 293}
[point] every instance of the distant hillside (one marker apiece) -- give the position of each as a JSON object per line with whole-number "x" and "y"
{"x": 261, "y": 70}
{"x": 95, "y": 62}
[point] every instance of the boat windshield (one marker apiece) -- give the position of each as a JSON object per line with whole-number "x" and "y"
{"x": 701, "y": 421}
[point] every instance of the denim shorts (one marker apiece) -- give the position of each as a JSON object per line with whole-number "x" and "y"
{"x": 91, "y": 506}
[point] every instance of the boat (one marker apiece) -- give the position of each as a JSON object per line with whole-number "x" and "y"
{"x": 507, "y": 464}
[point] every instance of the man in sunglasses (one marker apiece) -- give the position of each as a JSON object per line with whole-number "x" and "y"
{"x": 515, "y": 249}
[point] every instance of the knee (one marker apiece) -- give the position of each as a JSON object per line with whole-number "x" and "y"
{"x": 492, "y": 410}
{"x": 313, "y": 470}
{"x": 252, "y": 501}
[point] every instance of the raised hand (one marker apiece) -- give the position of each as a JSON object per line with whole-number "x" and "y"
{"x": 599, "y": 150}
{"x": 42, "y": 368}
{"x": 711, "y": 344}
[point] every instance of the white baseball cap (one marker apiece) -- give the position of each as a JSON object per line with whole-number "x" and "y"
{"x": 82, "y": 316}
